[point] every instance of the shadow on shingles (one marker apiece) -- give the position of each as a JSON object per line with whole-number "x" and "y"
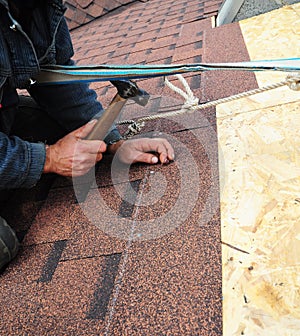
{"x": 19, "y": 207}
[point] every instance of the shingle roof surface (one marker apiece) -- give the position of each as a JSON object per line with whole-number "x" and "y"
{"x": 80, "y": 12}
{"x": 146, "y": 263}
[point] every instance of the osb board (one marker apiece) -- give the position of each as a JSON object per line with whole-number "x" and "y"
{"x": 273, "y": 35}
{"x": 260, "y": 191}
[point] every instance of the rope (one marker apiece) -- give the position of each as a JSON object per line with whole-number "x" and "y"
{"x": 192, "y": 104}
{"x": 293, "y": 81}
{"x": 190, "y": 101}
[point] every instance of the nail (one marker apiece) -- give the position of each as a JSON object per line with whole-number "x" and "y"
{"x": 154, "y": 159}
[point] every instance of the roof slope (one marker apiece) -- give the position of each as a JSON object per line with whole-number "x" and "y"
{"x": 80, "y": 12}
{"x": 134, "y": 251}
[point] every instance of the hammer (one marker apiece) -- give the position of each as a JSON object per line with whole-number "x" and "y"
{"x": 126, "y": 90}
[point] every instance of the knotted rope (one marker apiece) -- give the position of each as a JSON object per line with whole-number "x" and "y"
{"x": 191, "y": 103}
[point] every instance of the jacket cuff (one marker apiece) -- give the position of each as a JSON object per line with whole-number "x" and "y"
{"x": 112, "y": 137}
{"x": 37, "y": 157}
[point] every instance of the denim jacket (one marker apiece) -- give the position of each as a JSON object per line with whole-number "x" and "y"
{"x": 71, "y": 105}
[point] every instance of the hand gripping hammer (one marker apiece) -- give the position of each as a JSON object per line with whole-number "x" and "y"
{"x": 126, "y": 90}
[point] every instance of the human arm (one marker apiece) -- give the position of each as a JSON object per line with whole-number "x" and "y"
{"x": 71, "y": 105}
{"x": 21, "y": 162}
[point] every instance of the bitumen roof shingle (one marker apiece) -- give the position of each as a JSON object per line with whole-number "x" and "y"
{"x": 80, "y": 12}
{"x": 137, "y": 251}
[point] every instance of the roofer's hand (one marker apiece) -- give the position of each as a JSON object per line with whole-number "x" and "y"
{"x": 72, "y": 155}
{"x": 143, "y": 149}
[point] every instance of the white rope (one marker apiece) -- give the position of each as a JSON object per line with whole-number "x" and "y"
{"x": 293, "y": 81}
{"x": 191, "y": 103}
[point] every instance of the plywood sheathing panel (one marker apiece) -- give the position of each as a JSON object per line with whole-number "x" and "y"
{"x": 272, "y": 36}
{"x": 260, "y": 207}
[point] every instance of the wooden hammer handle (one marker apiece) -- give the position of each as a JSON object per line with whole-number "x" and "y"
{"x": 107, "y": 119}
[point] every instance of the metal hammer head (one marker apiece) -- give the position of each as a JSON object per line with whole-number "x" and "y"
{"x": 129, "y": 90}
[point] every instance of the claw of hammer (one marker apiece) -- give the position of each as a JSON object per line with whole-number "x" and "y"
{"x": 126, "y": 90}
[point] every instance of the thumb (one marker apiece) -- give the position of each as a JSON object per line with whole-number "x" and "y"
{"x": 147, "y": 158}
{"x": 84, "y": 130}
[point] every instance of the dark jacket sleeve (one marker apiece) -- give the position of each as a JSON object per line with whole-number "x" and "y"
{"x": 71, "y": 105}
{"x": 21, "y": 162}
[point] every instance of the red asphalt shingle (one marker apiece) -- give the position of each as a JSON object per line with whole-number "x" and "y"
{"x": 150, "y": 268}
{"x": 80, "y": 12}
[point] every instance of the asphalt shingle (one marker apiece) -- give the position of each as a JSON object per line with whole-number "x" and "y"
{"x": 140, "y": 256}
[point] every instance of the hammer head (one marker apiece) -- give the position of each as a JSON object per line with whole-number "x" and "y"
{"x": 129, "y": 90}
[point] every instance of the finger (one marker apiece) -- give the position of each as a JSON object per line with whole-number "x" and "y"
{"x": 92, "y": 146}
{"x": 146, "y": 158}
{"x": 87, "y": 162}
{"x": 167, "y": 150}
{"x": 99, "y": 157}
{"x": 164, "y": 151}
{"x": 162, "y": 147}
{"x": 82, "y": 167}
{"x": 80, "y": 172}
{"x": 83, "y": 131}
{"x": 170, "y": 151}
